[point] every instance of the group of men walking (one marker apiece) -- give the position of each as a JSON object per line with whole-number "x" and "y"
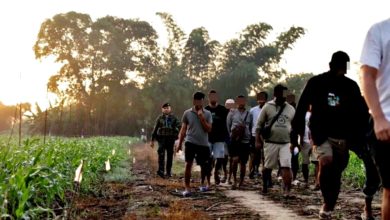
{"x": 331, "y": 118}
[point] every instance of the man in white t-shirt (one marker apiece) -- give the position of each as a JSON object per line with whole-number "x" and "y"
{"x": 375, "y": 75}
{"x": 256, "y": 153}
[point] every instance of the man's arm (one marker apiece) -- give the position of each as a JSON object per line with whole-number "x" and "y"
{"x": 182, "y": 135}
{"x": 298, "y": 123}
{"x": 154, "y": 133}
{"x": 177, "y": 124}
{"x": 260, "y": 124}
{"x": 206, "y": 123}
{"x": 229, "y": 121}
{"x": 370, "y": 91}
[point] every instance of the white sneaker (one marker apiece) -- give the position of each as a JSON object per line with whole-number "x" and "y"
{"x": 295, "y": 182}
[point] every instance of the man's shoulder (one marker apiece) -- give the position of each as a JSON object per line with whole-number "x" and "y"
{"x": 384, "y": 23}
{"x": 254, "y": 108}
{"x": 221, "y": 107}
{"x": 269, "y": 104}
{"x": 206, "y": 111}
{"x": 188, "y": 111}
{"x": 318, "y": 77}
{"x": 290, "y": 107}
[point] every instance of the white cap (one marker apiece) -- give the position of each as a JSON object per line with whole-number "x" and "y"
{"x": 229, "y": 101}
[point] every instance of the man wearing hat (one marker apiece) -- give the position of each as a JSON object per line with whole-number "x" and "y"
{"x": 336, "y": 123}
{"x": 165, "y": 131}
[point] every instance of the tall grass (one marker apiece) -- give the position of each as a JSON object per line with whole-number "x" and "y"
{"x": 35, "y": 177}
{"x": 354, "y": 175}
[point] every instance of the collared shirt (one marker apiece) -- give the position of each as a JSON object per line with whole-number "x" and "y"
{"x": 195, "y": 133}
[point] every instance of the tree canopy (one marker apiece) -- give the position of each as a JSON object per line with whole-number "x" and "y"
{"x": 97, "y": 93}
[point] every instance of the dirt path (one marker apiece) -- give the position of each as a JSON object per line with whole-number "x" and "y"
{"x": 261, "y": 204}
{"x": 148, "y": 196}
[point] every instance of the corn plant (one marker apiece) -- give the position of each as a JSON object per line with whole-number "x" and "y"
{"x": 35, "y": 176}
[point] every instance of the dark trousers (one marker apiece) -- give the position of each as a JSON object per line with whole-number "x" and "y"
{"x": 167, "y": 146}
{"x": 295, "y": 165}
{"x": 373, "y": 181}
{"x": 255, "y": 157}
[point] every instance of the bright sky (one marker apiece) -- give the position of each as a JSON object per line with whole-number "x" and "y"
{"x": 331, "y": 25}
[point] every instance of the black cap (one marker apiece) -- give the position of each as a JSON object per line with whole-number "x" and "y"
{"x": 165, "y": 105}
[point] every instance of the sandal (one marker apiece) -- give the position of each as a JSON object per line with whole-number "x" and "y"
{"x": 186, "y": 193}
{"x": 203, "y": 188}
{"x": 325, "y": 214}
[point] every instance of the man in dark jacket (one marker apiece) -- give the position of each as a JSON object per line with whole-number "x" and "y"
{"x": 335, "y": 124}
{"x": 165, "y": 131}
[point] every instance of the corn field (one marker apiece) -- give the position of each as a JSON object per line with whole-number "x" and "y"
{"x": 38, "y": 180}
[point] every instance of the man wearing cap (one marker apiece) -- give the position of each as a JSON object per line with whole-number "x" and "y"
{"x": 230, "y": 106}
{"x": 277, "y": 114}
{"x": 165, "y": 131}
{"x": 337, "y": 109}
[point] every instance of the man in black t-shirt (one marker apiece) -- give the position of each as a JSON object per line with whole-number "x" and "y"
{"x": 335, "y": 124}
{"x": 218, "y": 133}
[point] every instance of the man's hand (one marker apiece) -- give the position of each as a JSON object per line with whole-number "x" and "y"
{"x": 200, "y": 113}
{"x": 292, "y": 146}
{"x": 178, "y": 147}
{"x": 259, "y": 145}
{"x": 382, "y": 129}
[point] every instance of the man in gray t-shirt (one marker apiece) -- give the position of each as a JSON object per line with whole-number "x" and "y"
{"x": 196, "y": 124}
{"x": 239, "y": 146}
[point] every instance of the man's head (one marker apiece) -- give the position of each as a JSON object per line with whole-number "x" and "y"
{"x": 213, "y": 98}
{"x": 198, "y": 99}
{"x": 261, "y": 98}
{"x": 280, "y": 93}
{"x": 229, "y": 103}
{"x": 339, "y": 63}
{"x": 240, "y": 102}
{"x": 166, "y": 108}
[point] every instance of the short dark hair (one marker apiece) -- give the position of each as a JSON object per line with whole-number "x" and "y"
{"x": 279, "y": 88}
{"x": 259, "y": 94}
{"x": 198, "y": 95}
{"x": 212, "y": 91}
{"x": 240, "y": 96}
{"x": 339, "y": 60}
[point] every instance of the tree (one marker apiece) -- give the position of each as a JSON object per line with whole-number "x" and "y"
{"x": 96, "y": 94}
{"x": 96, "y": 57}
{"x": 297, "y": 82}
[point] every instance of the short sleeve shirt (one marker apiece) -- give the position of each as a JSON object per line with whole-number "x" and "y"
{"x": 376, "y": 54}
{"x": 195, "y": 133}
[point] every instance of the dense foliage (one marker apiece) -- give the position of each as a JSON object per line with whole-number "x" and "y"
{"x": 35, "y": 177}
